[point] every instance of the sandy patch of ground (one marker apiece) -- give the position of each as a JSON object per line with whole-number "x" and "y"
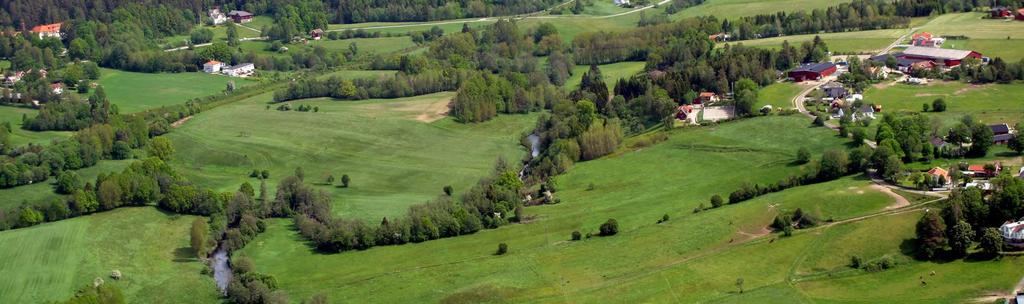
{"x": 717, "y": 113}
{"x": 423, "y": 111}
{"x": 900, "y": 201}
{"x": 927, "y": 94}
{"x": 180, "y": 122}
{"x": 968, "y": 89}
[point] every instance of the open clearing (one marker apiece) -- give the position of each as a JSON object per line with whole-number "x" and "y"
{"x": 393, "y": 158}
{"x": 844, "y": 42}
{"x": 990, "y": 37}
{"x": 544, "y": 266}
{"x": 778, "y": 95}
{"x": 991, "y": 103}
{"x": 611, "y": 72}
{"x": 151, "y": 249}
{"x": 135, "y": 92}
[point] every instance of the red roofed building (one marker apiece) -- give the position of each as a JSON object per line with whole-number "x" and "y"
{"x": 684, "y": 112}
{"x": 979, "y": 170}
{"x": 47, "y": 30}
{"x": 1000, "y": 12}
{"x": 926, "y": 39}
{"x": 939, "y": 175}
{"x": 1020, "y": 14}
{"x": 57, "y": 88}
{"x": 946, "y": 57}
{"x": 705, "y": 98}
{"x": 815, "y": 71}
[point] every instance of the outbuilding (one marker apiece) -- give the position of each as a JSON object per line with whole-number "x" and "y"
{"x": 212, "y": 66}
{"x": 240, "y": 16}
{"x": 813, "y": 71}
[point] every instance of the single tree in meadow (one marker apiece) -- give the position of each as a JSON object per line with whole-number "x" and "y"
{"x": 803, "y": 155}
{"x": 502, "y": 249}
{"x": 716, "y": 201}
{"x": 200, "y": 231}
{"x": 345, "y": 180}
{"x": 931, "y": 234}
{"x": 330, "y": 179}
{"x": 991, "y": 242}
{"x": 448, "y": 190}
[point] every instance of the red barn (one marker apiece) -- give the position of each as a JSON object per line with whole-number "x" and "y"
{"x": 814, "y": 71}
{"x": 946, "y": 57}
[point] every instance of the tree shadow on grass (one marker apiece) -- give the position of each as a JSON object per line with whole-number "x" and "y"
{"x": 184, "y": 255}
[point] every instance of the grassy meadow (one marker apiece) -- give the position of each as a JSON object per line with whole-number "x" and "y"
{"x": 779, "y": 95}
{"x": 844, "y": 42}
{"x": 136, "y": 92}
{"x": 741, "y": 8}
{"x": 20, "y": 137}
{"x": 49, "y": 262}
{"x": 397, "y": 152}
{"x": 611, "y": 72}
{"x": 991, "y": 103}
{"x": 543, "y": 266}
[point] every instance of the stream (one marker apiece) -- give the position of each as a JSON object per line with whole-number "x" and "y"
{"x": 222, "y": 269}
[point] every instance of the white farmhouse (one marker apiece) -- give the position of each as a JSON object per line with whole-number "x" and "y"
{"x": 1013, "y": 233}
{"x": 212, "y": 66}
{"x": 216, "y": 16}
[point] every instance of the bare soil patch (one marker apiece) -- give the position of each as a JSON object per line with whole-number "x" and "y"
{"x": 900, "y": 200}
{"x": 180, "y": 122}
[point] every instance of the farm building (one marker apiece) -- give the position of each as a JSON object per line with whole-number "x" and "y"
{"x": 980, "y": 171}
{"x": 813, "y": 71}
{"x": 925, "y": 39}
{"x": 1013, "y": 233}
{"x": 240, "y": 16}
{"x": 944, "y": 57}
{"x": 905, "y": 64}
{"x": 706, "y": 98}
{"x": 216, "y": 16}
{"x": 685, "y": 112}
{"x": 240, "y": 70}
{"x": 1000, "y": 12}
{"x": 212, "y": 66}
{"x": 316, "y": 34}
{"x": 47, "y": 30}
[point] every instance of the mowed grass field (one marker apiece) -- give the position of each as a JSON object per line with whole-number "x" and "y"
{"x": 991, "y": 103}
{"x": 990, "y": 37}
{"x": 20, "y": 137}
{"x": 611, "y": 72}
{"x": 42, "y": 192}
{"x": 397, "y": 152}
{"x": 779, "y": 95}
{"x": 844, "y": 42}
{"x": 655, "y": 261}
{"x": 741, "y": 8}
{"x": 135, "y": 92}
{"x": 51, "y": 261}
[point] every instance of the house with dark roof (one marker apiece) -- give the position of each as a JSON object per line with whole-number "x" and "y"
{"x": 240, "y": 16}
{"x": 834, "y": 89}
{"x": 813, "y": 71}
{"x": 1001, "y": 133}
{"x": 938, "y": 142}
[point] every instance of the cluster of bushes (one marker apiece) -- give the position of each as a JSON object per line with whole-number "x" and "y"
{"x": 998, "y": 71}
{"x": 302, "y": 108}
{"x": 399, "y": 85}
{"x": 798, "y": 219}
{"x": 251, "y": 287}
{"x": 832, "y": 165}
{"x": 493, "y": 202}
{"x": 360, "y": 33}
{"x": 143, "y": 182}
{"x": 880, "y": 264}
{"x": 71, "y": 114}
{"x": 573, "y": 132}
{"x": 970, "y": 218}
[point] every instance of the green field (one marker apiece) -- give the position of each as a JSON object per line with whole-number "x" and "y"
{"x": 741, "y": 8}
{"x": 11, "y": 198}
{"x": 845, "y": 42}
{"x": 992, "y": 103}
{"x": 778, "y": 95}
{"x": 543, "y": 266}
{"x": 611, "y": 72}
{"x": 20, "y": 137}
{"x": 151, "y": 249}
{"x": 135, "y": 92}
{"x": 393, "y": 155}
{"x": 381, "y": 45}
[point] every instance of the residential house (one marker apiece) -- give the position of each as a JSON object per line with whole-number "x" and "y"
{"x": 240, "y": 70}
{"x": 938, "y": 142}
{"x": 979, "y": 170}
{"x": 1001, "y": 133}
{"x": 213, "y": 66}
{"x": 240, "y": 16}
{"x": 14, "y": 78}
{"x": 621, "y": 2}
{"x": 1000, "y": 12}
{"x": 925, "y": 39}
{"x": 939, "y": 177}
{"x": 813, "y": 71}
{"x": 216, "y": 16}
{"x": 316, "y": 34}
{"x": 686, "y": 113}
{"x": 834, "y": 89}
{"x": 706, "y": 98}
{"x": 47, "y": 30}
{"x": 57, "y": 88}
{"x": 720, "y": 37}
{"x": 864, "y": 112}
{"x": 838, "y": 113}
{"x": 1013, "y": 233}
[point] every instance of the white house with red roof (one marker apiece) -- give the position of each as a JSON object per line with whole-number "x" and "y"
{"x": 926, "y": 39}
{"x": 1013, "y": 233}
{"x": 212, "y": 66}
{"x": 57, "y": 88}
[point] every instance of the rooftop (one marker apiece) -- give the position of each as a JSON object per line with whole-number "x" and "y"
{"x": 47, "y": 28}
{"x": 815, "y": 67}
{"x": 1001, "y": 128}
{"x": 937, "y": 53}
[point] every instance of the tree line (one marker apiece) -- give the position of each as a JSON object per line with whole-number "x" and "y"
{"x": 969, "y": 217}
